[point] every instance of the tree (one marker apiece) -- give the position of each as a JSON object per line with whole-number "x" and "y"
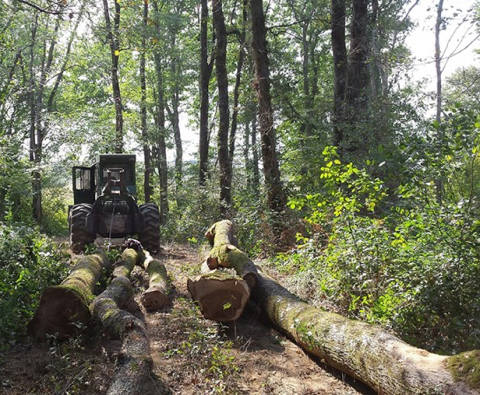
{"x": 147, "y": 188}
{"x": 114, "y": 43}
{"x": 223, "y": 127}
{"x": 205, "y": 76}
{"x": 339, "y": 68}
{"x": 275, "y": 194}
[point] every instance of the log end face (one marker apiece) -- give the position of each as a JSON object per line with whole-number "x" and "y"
{"x": 220, "y": 300}
{"x": 62, "y": 313}
{"x": 153, "y": 299}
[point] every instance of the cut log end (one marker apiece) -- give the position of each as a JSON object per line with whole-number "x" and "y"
{"x": 62, "y": 313}
{"x": 220, "y": 300}
{"x": 153, "y": 299}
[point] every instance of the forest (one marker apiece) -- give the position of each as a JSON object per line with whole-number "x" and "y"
{"x": 354, "y": 180}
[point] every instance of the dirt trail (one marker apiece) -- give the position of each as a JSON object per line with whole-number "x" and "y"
{"x": 191, "y": 355}
{"x": 196, "y": 356}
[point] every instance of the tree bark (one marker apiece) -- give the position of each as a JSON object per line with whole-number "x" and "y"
{"x": 134, "y": 364}
{"x": 205, "y": 76}
{"x": 340, "y": 64}
{"x": 236, "y": 89}
{"x": 438, "y": 60}
{"x": 161, "y": 130}
{"x": 222, "y": 84}
{"x": 147, "y": 188}
{"x": 113, "y": 41}
{"x": 365, "y": 352}
{"x": 64, "y": 306}
{"x": 356, "y": 97}
{"x": 155, "y": 297}
{"x": 276, "y": 198}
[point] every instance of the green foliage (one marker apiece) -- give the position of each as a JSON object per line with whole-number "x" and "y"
{"x": 408, "y": 259}
{"x": 29, "y": 262}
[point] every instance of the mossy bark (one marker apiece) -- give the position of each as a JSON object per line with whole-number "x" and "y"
{"x": 221, "y": 233}
{"x": 225, "y": 253}
{"x": 222, "y": 296}
{"x": 63, "y": 309}
{"x": 155, "y": 297}
{"x": 365, "y": 352}
{"x": 125, "y": 265}
{"x": 134, "y": 364}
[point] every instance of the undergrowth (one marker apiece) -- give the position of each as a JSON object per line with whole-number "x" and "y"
{"x": 202, "y": 347}
{"x": 407, "y": 258}
{"x": 29, "y": 262}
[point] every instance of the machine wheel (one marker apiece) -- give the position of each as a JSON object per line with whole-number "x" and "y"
{"x": 149, "y": 236}
{"x": 79, "y": 235}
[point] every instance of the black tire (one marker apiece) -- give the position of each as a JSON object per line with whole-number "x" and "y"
{"x": 79, "y": 235}
{"x": 149, "y": 236}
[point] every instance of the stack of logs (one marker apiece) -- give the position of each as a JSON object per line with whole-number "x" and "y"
{"x": 363, "y": 351}
{"x": 67, "y": 308}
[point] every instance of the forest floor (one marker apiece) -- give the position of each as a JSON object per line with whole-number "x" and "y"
{"x": 191, "y": 355}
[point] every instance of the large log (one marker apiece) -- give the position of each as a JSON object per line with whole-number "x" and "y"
{"x": 221, "y": 232}
{"x": 367, "y": 352}
{"x": 64, "y": 309}
{"x": 221, "y": 295}
{"x": 225, "y": 253}
{"x": 134, "y": 363}
{"x": 155, "y": 297}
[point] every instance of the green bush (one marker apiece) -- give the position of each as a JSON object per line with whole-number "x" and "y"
{"x": 409, "y": 258}
{"x": 29, "y": 262}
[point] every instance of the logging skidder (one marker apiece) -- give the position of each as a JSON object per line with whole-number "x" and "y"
{"x": 104, "y": 197}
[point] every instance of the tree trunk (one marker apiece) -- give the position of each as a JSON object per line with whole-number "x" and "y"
{"x": 340, "y": 65}
{"x": 222, "y": 83}
{"x": 147, "y": 188}
{"x": 134, "y": 364}
{"x": 356, "y": 97}
{"x": 275, "y": 194}
{"x": 161, "y": 130}
{"x": 65, "y": 306}
{"x": 205, "y": 75}
{"x": 113, "y": 41}
{"x": 366, "y": 352}
{"x": 438, "y": 60}
{"x": 225, "y": 253}
{"x": 255, "y": 160}
{"x": 155, "y": 297}
{"x": 236, "y": 90}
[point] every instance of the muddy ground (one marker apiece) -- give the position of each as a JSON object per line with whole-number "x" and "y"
{"x": 191, "y": 355}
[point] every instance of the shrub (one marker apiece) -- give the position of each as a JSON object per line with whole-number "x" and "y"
{"x": 29, "y": 262}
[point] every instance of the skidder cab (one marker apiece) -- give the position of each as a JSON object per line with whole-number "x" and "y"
{"x": 105, "y": 204}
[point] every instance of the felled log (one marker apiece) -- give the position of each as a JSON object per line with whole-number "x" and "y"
{"x": 221, "y": 232}
{"x": 155, "y": 297}
{"x": 127, "y": 262}
{"x": 64, "y": 309}
{"x": 221, "y": 295}
{"x": 224, "y": 253}
{"x": 364, "y": 351}
{"x": 134, "y": 363}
